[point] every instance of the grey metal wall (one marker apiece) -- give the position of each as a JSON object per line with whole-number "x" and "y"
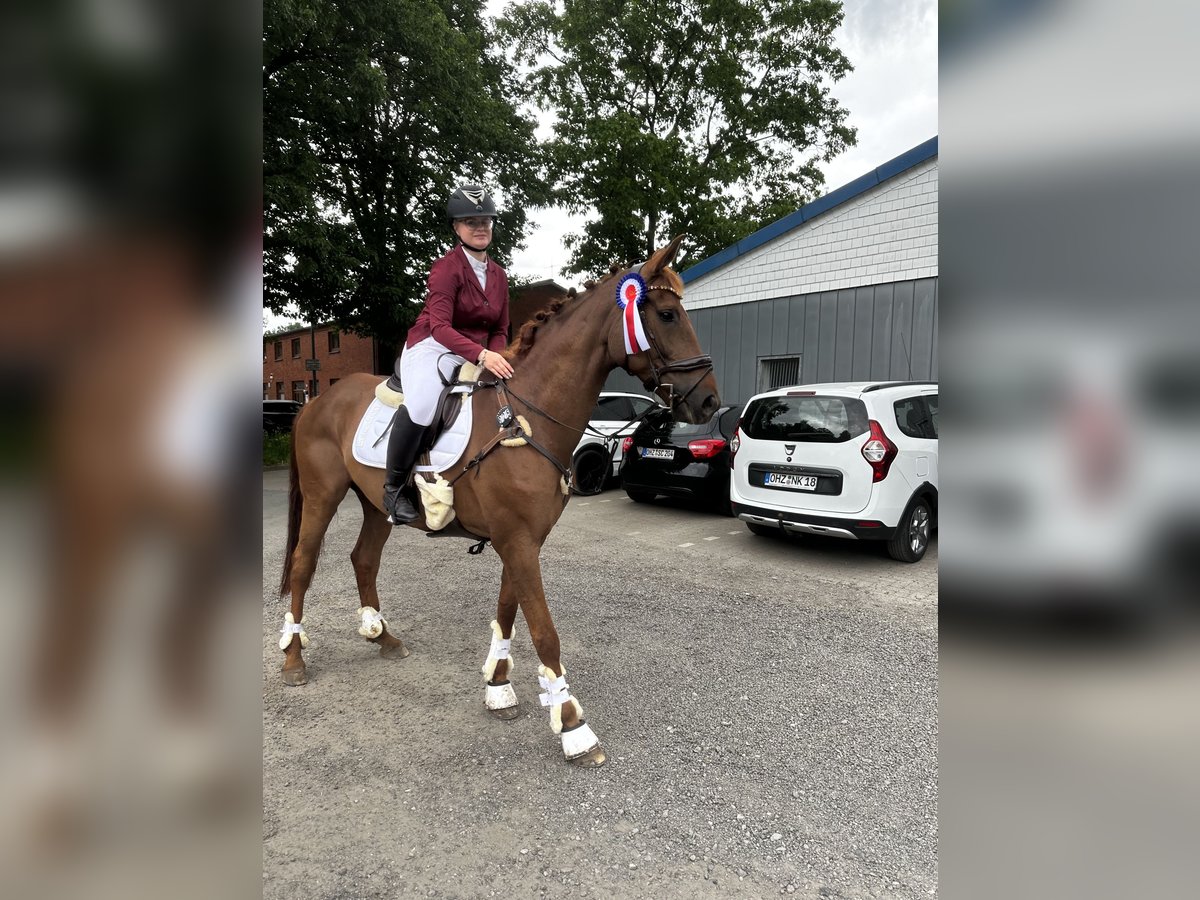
{"x": 882, "y": 331}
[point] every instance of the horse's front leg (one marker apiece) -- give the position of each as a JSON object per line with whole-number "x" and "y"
{"x": 579, "y": 742}
{"x": 499, "y": 697}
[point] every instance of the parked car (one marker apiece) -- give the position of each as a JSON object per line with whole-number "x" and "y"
{"x": 278, "y": 415}
{"x": 597, "y": 459}
{"x": 680, "y": 460}
{"x": 850, "y": 460}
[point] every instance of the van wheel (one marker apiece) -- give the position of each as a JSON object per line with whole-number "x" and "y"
{"x": 912, "y": 535}
{"x": 764, "y": 530}
{"x": 640, "y": 496}
{"x": 591, "y": 472}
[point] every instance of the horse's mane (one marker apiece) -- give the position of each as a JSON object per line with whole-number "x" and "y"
{"x": 524, "y": 340}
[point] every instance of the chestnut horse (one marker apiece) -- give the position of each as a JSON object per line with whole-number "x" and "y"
{"x": 515, "y": 494}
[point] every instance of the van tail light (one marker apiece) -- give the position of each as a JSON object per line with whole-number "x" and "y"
{"x": 627, "y": 444}
{"x": 735, "y": 442}
{"x": 879, "y": 452}
{"x": 706, "y": 448}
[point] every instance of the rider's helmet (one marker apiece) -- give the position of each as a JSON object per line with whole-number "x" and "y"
{"x": 470, "y": 200}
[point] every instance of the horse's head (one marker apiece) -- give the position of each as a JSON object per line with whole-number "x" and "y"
{"x": 666, "y": 355}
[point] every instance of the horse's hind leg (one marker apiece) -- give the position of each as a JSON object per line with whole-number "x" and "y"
{"x": 365, "y": 557}
{"x": 320, "y": 505}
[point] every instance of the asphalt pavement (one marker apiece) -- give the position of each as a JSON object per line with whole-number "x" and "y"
{"x": 769, "y": 710}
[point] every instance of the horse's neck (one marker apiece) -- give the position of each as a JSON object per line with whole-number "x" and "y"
{"x": 566, "y": 369}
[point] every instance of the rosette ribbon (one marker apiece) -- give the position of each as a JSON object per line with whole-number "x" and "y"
{"x": 630, "y": 294}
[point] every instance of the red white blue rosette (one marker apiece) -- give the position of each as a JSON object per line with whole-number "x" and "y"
{"x": 630, "y": 293}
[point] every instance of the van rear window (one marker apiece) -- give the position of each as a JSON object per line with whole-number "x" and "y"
{"x": 830, "y": 420}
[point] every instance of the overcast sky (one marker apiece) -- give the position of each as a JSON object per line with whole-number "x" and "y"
{"x": 892, "y": 96}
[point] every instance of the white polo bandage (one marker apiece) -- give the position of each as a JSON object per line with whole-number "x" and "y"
{"x": 291, "y": 627}
{"x": 500, "y": 696}
{"x": 372, "y": 622}
{"x": 579, "y": 741}
{"x": 500, "y": 649}
{"x": 556, "y": 692}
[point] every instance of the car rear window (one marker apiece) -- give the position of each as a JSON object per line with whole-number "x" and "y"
{"x": 828, "y": 420}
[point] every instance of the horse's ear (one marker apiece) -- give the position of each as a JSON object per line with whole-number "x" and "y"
{"x": 662, "y": 258}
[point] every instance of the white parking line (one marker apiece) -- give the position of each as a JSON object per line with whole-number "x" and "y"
{"x": 632, "y": 532}
{"x": 739, "y": 531}
{"x": 685, "y": 545}
{"x": 712, "y": 538}
{"x": 609, "y": 500}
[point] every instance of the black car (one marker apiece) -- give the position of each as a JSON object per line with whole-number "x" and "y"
{"x": 278, "y": 415}
{"x": 680, "y": 460}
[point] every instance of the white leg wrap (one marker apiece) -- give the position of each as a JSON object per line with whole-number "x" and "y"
{"x": 498, "y": 651}
{"x": 500, "y": 696}
{"x": 372, "y": 622}
{"x": 556, "y": 692}
{"x": 579, "y": 741}
{"x": 290, "y": 627}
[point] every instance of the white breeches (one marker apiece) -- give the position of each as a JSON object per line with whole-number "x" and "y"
{"x": 419, "y": 375}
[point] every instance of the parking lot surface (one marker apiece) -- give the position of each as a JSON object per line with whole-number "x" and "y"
{"x": 769, "y": 710}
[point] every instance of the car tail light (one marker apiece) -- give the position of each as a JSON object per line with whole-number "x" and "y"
{"x": 627, "y": 444}
{"x": 879, "y": 452}
{"x": 735, "y": 442}
{"x": 706, "y": 448}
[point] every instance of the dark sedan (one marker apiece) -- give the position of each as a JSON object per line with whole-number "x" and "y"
{"x": 278, "y": 415}
{"x": 681, "y": 460}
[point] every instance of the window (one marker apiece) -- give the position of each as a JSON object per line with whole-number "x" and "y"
{"x": 613, "y": 409}
{"x": 298, "y": 391}
{"x": 914, "y": 417}
{"x": 279, "y": 389}
{"x": 335, "y": 341}
{"x": 295, "y": 348}
{"x": 829, "y": 420}
{"x": 777, "y": 372}
{"x": 279, "y": 350}
{"x": 640, "y": 405}
{"x": 266, "y": 391}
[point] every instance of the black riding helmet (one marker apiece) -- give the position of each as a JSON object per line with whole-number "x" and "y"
{"x": 470, "y": 200}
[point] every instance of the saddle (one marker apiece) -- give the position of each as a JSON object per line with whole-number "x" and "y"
{"x": 449, "y": 403}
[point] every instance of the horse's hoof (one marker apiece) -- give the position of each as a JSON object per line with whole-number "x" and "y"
{"x": 592, "y": 759}
{"x": 393, "y": 651}
{"x": 508, "y": 713}
{"x": 295, "y": 677}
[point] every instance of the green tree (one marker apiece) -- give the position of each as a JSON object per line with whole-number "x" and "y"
{"x": 372, "y": 112}
{"x": 708, "y": 117}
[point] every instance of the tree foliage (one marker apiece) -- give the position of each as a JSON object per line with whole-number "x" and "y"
{"x": 701, "y": 116}
{"x": 372, "y": 112}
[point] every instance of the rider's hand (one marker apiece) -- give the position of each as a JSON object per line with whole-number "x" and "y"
{"x": 497, "y": 364}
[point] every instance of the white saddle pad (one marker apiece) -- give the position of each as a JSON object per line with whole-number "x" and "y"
{"x": 371, "y": 439}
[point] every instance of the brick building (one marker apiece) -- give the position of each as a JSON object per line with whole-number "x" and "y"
{"x": 339, "y": 354}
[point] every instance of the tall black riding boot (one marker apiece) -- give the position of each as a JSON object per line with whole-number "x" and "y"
{"x": 404, "y": 442}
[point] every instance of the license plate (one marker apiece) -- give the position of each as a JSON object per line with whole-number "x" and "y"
{"x": 790, "y": 481}
{"x": 655, "y": 453}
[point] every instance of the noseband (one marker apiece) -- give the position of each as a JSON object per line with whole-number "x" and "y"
{"x": 654, "y": 383}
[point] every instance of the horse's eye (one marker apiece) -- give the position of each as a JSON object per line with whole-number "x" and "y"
{"x": 667, "y": 315}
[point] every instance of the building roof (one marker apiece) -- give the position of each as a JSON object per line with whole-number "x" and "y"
{"x": 809, "y": 211}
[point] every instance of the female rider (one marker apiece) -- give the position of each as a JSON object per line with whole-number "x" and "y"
{"x": 465, "y": 317}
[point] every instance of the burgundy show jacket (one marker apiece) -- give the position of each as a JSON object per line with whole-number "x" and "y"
{"x": 460, "y": 315}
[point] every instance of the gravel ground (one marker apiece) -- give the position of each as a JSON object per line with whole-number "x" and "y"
{"x": 769, "y": 709}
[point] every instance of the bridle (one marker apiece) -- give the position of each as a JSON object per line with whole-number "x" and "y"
{"x": 654, "y": 383}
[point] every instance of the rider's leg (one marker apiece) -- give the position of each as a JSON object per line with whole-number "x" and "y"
{"x": 403, "y": 443}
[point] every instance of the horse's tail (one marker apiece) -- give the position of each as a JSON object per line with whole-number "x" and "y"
{"x": 295, "y": 509}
